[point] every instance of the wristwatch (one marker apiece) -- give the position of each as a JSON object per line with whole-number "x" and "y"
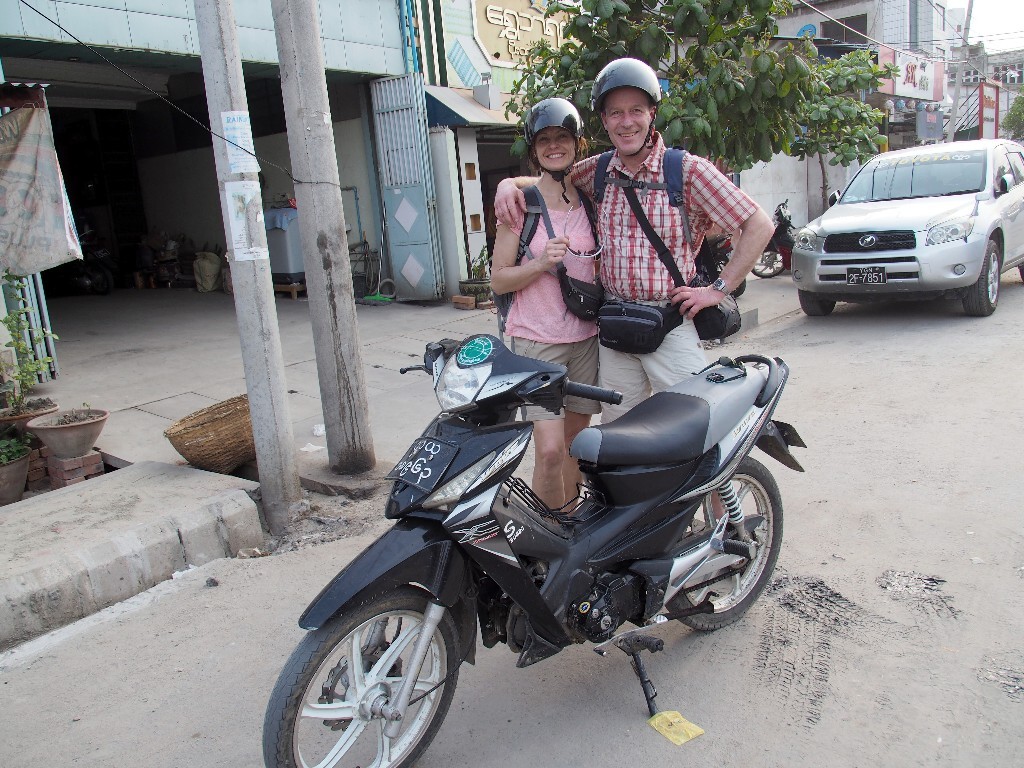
{"x": 720, "y": 286}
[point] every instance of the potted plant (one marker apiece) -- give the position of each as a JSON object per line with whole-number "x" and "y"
{"x": 479, "y": 283}
{"x": 22, "y": 367}
{"x": 14, "y": 450}
{"x": 69, "y": 433}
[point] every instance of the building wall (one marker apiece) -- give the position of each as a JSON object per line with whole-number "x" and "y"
{"x": 363, "y": 36}
{"x": 180, "y": 189}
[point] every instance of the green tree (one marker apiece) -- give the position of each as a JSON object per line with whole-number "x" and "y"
{"x": 732, "y": 95}
{"x": 1013, "y": 120}
{"x": 834, "y": 121}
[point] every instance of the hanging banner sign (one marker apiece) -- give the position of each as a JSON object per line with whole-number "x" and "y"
{"x": 37, "y": 230}
{"x": 243, "y": 209}
{"x": 988, "y": 111}
{"x": 237, "y": 129}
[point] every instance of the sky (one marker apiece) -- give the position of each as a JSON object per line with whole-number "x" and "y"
{"x": 999, "y": 24}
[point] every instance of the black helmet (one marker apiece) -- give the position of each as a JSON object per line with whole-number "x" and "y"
{"x": 552, "y": 112}
{"x": 621, "y": 73}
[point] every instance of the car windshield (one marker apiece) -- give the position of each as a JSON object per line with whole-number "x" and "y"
{"x": 931, "y": 174}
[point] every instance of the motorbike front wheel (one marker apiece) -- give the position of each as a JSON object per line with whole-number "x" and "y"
{"x": 325, "y": 709}
{"x": 769, "y": 265}
{"x": 735, "y": 591}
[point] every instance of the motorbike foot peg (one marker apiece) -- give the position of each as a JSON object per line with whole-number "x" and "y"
{"x": 739, "y": 548}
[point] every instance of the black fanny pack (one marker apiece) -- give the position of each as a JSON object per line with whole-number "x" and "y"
{"x": 581, "y": 298}
{"x": 638, "y": 329}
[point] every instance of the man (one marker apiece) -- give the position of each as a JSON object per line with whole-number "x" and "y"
{"x": 626, "y": 94}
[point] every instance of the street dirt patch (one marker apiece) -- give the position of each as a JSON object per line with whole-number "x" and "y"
{"x": 329, "y": 518}
{"x": 922, "y": 592}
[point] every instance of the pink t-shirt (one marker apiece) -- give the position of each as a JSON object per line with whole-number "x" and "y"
{"x": 539, "y": 312}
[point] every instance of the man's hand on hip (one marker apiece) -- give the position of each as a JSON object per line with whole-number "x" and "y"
{"x": 693, "y": 300}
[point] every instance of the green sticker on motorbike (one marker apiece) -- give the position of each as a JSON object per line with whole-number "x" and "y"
{"x": 475, "y": 351}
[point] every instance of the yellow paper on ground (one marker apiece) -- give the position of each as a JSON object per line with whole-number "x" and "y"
{"x": 674, "y": 727}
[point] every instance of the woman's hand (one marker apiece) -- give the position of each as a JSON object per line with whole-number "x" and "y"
{"x": 554, "y": 253}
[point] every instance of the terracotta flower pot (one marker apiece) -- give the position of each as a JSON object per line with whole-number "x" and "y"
{"x": 12, "y": 480}
{"x": 66, "y": 441}
{"x": 21, "y": 419}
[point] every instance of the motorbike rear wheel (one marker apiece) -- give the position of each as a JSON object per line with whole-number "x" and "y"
{"x": 322, "y": 710}
{"x": 769, "y": 265}
{"x": 735, "y": 592}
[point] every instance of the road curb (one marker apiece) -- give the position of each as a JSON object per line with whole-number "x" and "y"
{"x": 59, "y": 587}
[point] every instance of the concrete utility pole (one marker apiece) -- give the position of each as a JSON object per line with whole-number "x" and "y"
{"x": 953, "y": 115}
{"x": 322, "y": 233}
{"x": 242, "y": 207}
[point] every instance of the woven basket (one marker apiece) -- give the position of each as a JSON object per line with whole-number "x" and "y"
{"x": 217, "y": 438}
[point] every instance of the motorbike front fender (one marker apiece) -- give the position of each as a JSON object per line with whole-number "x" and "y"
{"x": 416, "y": 552}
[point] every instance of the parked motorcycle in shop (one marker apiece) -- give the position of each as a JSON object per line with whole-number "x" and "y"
{"x": 778, "y": 254}
{"x": 94, "y": 273}
{"x": 472, "y": 546}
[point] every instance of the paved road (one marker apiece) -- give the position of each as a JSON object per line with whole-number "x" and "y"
{"x": 890, "y": 637}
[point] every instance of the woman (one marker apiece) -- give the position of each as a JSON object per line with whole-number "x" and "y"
{"x": 538, "y": 322}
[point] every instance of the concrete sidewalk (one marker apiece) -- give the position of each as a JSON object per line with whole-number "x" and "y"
{"x": 151, "y": 357}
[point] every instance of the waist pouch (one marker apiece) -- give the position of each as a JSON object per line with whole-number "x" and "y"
{"x": 581, "y": 298}
{"x": 637, "y": 329}
{"x": 716, "y": 322}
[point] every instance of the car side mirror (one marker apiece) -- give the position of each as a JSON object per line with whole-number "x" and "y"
{"x": 834, "y": 198}
{"x": 1004, "y": 184}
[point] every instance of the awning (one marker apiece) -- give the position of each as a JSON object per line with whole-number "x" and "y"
{"x": 456, "y": 106}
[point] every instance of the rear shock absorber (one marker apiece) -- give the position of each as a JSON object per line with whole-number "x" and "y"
{"x": 731, "y": 503}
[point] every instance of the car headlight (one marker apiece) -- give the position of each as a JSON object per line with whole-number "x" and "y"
{"x": 457, "y": 387}
{"x": 807, "y": 240}
{"x": 949, "y": 230}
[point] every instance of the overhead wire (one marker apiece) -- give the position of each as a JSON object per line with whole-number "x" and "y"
{"x": 167, "y": 101}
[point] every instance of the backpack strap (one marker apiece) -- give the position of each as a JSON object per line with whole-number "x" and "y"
{"x": 534, "y": 203}
{"x": 601, "y": 175}
{"x": 672, "y": 170}
{"x": 591, "y": 217}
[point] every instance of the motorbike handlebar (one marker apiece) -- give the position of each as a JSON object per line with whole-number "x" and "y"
{"x": 593, "y": 393}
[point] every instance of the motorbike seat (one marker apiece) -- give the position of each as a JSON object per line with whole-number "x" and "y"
{"x": 676, "y": 425}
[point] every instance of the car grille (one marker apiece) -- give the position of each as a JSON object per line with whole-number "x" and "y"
{"x": 849, "y": 242}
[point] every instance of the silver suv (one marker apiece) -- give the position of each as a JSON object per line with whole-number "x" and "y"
{"x": 918, "y": 223}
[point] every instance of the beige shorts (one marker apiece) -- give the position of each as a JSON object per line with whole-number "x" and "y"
{"x": 579, "y": 357}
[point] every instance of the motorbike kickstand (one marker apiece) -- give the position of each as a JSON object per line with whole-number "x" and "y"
{"x": 632, "y": 645}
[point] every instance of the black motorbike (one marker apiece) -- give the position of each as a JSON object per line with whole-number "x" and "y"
{"x": 95, "y": 273}
{"x": 675, "y": 521}
{"x": 778, "y": 254}
{"x": 714, "y": 253}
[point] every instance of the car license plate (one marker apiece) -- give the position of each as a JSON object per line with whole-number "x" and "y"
{"x": 424, "y": 464}
{"x": 865, "y": 275}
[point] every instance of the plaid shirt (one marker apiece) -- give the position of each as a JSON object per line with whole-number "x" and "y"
{"x": 630, "y": 267}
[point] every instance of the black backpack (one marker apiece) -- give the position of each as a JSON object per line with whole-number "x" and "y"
{"x": 534, "y": 214}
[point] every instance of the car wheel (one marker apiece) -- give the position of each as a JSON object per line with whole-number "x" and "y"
{"x": 813, "y": 306}
{"x": 980, "y": 299}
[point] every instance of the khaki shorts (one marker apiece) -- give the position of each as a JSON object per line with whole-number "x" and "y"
{"x": 579, "y": 357}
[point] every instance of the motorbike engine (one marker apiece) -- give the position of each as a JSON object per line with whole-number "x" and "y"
{"x": 613, "y": 600}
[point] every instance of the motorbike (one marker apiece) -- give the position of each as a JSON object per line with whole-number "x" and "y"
{"x": 714, "y": 253}
{"x": 94, "y": 273}
{"x": 473, "y": 548}
{"x": 778, "y": 254}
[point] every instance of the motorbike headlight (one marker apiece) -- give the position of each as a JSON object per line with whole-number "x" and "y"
{"x": 478, "y": 474}
{"x": 457, "y": 387}
{"x": 807, "y": 240}
{"x": 948, "y": 231}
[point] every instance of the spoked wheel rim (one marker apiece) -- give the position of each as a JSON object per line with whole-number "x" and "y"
{"x": 340, "y": 714}
{"x": 769, "y": 265}
{"x": 731, "y": 590}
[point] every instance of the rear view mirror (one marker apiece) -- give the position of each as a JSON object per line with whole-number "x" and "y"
{"x": 1003, "y": 185}
{"x": 834, "y": 198}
